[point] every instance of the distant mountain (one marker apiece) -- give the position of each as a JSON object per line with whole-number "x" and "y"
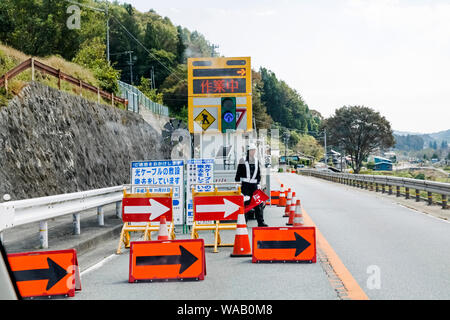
{"x": 405, "y": 133}
{"x": 405, "y": 139}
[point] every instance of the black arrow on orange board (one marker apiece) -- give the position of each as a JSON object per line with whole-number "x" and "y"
{"x": 299, "y": 244}
{"x": 185, "y": 260}
{"x": 54, "y": 273}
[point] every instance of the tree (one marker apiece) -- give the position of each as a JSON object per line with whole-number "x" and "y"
{"x": 92, "y": 56}
{"x": 359, "y": 131}
{"x": 309, "y": 146}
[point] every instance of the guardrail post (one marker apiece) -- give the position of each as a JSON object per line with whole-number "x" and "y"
{"x": 430, "y": 198}
{"x": 406, "y": 193}
{"x": 417, "y": 195}
{"x": 444, "y": 201}
{"x": 100, "y": 216}
{"x": 43, "y": 234}
{"x": 376, "y": 187}
{"x": 383, "y": 188}
{"x": 32, "y": 69}
{"x": 390, "y": 189}
{"x": 397, "y": 190}
{"x": 76, "y": 224}
{"x": 118, "y": 209}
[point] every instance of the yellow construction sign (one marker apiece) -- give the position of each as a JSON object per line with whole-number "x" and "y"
{"x": 205, "y": 119}
{"x": 210, "y": 80}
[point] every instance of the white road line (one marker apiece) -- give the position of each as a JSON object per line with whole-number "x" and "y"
{"x": 99, "y": 264}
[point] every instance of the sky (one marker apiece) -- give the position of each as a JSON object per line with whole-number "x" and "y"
{"x": 390, "y": 55}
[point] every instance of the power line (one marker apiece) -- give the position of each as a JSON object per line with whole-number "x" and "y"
{"x": 145, "y": 48}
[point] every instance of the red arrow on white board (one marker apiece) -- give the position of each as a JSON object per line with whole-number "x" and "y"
{"x": 227, "y": 207}
{"x": 155, "y": 209}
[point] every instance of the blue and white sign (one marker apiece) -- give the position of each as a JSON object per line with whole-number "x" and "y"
{"x": 198, "y": 171}
{"x": 163, "y": 173}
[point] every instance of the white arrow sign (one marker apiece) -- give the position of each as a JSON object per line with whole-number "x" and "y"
{"x": 227, "y": 207}
{"x": 155, "y": 209}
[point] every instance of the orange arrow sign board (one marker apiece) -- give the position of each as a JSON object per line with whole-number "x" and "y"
{"x": 46, "y": 273}
{"x": 284, "y": 244}
{"x": 171, "y": 259}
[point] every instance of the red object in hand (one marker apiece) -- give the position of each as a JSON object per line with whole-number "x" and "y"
{"x": 257, "y": 198}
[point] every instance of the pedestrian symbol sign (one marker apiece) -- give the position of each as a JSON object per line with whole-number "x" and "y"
{"x": 205, "y": 119}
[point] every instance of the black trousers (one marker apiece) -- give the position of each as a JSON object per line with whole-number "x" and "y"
{"x": 259, "y": 214}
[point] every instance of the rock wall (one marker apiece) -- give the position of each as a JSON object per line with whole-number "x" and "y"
{"x": 52, "y": 142}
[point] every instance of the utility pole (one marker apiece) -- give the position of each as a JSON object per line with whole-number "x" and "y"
{"x": 106, "y": 12}
{"x": 213, "y": 46}
{"x": 153, "y": 78}
{"x": 131, "y": 67}
{"x": 325, "y": 143}
{"x": 130, "y": 62}
{"x": 286, "y": 138}
{"x": 107, "y": 34}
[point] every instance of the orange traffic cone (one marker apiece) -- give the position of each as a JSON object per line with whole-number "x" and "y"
{"x": 282, "y": 201}
{"x": 163, "y": 232}
{"x": 292, "y": 211}
{"x": 241, "y": 241}
{"x": 288, "y": 203}
{"x": 298, "y": 216}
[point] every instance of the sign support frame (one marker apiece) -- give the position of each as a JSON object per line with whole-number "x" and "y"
{"x": 148, "y": 227}
{"x": 217, "y": 225}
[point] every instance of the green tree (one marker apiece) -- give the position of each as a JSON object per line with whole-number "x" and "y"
{"x": 309, "y": 146}
{"x": 259, "y": 109}
{"x": 152, "y": 94}
{"x": 92, "y": 56}
{"x": 359, "y": 131}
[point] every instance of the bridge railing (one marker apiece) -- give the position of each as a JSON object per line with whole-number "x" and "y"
{"x": 20, "y": 212}
{"x": 375, "y": 182}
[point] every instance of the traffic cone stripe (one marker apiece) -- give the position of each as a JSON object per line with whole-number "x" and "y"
{"x": 241, "y": 231}
{"x": 298, "y": 217}
{"x": 241, "y": 240}
{"x": 163, "y": 233}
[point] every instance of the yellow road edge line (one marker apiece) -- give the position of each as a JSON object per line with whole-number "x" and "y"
{"x": 354, "y": 291}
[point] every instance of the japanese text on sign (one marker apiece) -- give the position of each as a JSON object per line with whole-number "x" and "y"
{"x": 198, "y": 171}
{"x": 217, "y": 86}
{"x": 163, "y": 173}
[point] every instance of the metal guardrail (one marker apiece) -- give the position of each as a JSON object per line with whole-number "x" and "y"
{"x": 377, "y": 181}
{"x": 20, "y": 212}
{"x": 39, "y": 66}
{"x": 136, "y": 99}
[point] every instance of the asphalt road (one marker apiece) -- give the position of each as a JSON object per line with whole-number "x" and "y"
{"x": 393, "y": 252}
{"x": 227, "y": 278}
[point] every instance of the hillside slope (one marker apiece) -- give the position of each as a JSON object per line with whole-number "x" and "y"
{"x": 52, "y": 142}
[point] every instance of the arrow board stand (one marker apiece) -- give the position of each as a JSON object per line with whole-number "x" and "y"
{"x": 46, "y": 273}
{"x": 284, "y": 244}
{"x": 219, "y": 207}
{"x": 141, "y": 212}
{"x": 167, "y": 260}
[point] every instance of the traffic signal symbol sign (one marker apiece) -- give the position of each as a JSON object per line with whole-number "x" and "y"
{"x": 228, "y": 110}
